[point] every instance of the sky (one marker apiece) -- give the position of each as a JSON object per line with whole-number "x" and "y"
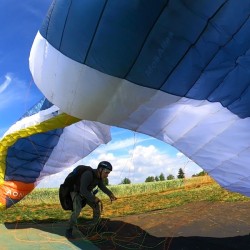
{"x": 133, "y": 155}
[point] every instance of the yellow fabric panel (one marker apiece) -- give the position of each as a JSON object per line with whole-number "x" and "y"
{"x": 2, "y": 206}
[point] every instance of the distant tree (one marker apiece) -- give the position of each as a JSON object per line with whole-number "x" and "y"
{"x": 126, "y": 181}
{"x": 157, "y": 178}
{"x": 202, "y": 173}
{"x": 150, "y": 179}
{"x": 162, "y": 177}
{"x": 181, "y": 174}
{"x": 170, "y": 177}
{"x": 106, "y": 181}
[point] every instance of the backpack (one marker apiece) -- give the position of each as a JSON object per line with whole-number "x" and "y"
{"x": 72, "y": 180}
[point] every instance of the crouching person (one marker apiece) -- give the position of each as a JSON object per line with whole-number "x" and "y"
{"x": 83, "y": 194}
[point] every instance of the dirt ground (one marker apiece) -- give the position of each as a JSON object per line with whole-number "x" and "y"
{"x": 195, "y": 226}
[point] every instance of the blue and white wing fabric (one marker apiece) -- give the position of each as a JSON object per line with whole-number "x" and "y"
{"x": 44, "y": 142}
{"x": 176, "y": 70}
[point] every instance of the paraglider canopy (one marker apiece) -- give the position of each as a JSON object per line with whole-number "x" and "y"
{"x": 174, "y": 70}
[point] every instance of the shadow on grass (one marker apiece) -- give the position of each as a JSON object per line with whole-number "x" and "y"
{"x": 120, "y": 235}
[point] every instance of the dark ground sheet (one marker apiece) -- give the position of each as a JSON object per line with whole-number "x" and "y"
{"x": 201, "y": 225}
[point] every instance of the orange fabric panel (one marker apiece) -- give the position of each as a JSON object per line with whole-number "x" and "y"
{"x": 15, "y": 190}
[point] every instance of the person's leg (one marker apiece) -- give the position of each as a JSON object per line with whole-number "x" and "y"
{"x": 96, "y": 212}
{"x": 77, "y": 207}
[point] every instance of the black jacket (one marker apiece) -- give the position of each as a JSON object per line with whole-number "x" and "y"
{"x": 89, "y": 180}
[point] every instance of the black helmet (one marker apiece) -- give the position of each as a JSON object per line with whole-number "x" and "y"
{"x": 105, "y": 164}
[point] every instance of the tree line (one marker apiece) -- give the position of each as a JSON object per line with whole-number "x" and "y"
{"x": 161, "y": 177}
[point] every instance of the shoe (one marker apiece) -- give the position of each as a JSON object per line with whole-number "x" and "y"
{"x": 69, "y": 234}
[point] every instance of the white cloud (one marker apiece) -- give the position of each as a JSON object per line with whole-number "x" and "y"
{"x": 139, "y": 163}
{"x": 12, "y": 91}
{"x": 132, "y": 159}
{"x": 16, "y": 94}
{"x": 179, "y": 155}
{"x": 5, "y": 84}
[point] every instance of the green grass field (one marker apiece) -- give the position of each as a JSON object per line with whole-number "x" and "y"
{"x": 42, "y": 205}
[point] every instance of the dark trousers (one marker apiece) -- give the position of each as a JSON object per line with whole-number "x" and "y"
{"x": 78, "y": 204}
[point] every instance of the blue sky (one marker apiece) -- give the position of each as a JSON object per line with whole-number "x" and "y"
{"x": 133, "y": 155}
{"x": 20, "y": 21}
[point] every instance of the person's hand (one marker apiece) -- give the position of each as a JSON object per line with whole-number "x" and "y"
{"x": 112, "y": 198}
